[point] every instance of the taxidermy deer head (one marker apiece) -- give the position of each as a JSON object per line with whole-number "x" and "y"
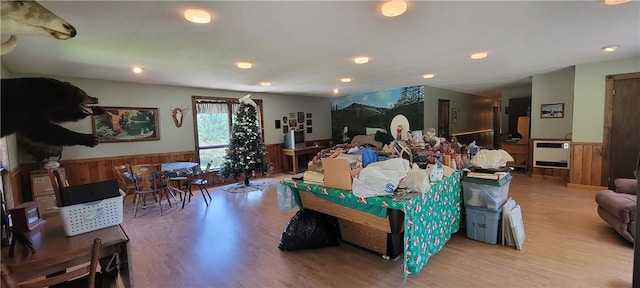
{"x": 31, "y": 18}
{"x": 178, "y": 114}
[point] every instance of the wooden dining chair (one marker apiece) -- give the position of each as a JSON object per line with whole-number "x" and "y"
{"x": 149, "y": 181}
{"x": 83, "y": 276}
{"x": 58, "y": 180}
{"x": 199, "y": 179}
{"x": 178, "y": 180}
{"x": 124, "y": 180}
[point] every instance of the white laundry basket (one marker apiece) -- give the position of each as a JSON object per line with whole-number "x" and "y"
{"x": 86, "y": 217}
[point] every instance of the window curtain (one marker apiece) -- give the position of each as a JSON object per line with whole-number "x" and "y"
{"x": 222, "y": 107}
{"x": 212, "y": 107}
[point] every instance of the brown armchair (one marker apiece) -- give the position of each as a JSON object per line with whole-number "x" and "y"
{"x": 618, "y": 208}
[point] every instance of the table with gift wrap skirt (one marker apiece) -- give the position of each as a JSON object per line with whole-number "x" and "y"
{"x": 422, "y": 222}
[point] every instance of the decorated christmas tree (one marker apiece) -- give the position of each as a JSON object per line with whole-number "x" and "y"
{"x": 246, "y": 154}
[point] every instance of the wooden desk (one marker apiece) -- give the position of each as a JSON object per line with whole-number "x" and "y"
{"x": 56, "y": 252}
{"x": 519, "y": 152}
{"x": 294, "y": 154}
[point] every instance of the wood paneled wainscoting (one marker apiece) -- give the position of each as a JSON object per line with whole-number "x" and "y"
{"x": 82, "y": 171}
{"x": 586, "y": 165}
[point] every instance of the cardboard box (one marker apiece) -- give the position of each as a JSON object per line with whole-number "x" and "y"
{"x": 338, "y": 173}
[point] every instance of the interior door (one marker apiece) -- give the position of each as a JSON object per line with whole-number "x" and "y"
{"x": 497, "y": 143}
{"x": 624, "y": 143}
{"x": 443, "y": 119}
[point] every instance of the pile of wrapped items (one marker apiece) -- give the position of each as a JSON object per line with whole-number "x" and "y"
{"x": 316, "y": 164}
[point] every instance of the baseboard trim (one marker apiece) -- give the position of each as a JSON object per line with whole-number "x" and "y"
{"x": 586, "y": 187}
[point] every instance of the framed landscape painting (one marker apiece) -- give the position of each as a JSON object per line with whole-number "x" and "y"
{"x": 126, "y": 124}
{"x": 554, "y": 110}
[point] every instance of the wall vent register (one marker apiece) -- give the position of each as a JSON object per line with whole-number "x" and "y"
{"x": 551, "y": 154}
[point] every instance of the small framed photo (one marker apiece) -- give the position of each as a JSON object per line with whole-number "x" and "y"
{"x": 309, "y": 122}
{"x": 277, "y": 124}
{"x": 301, "y": 126}
{"x": 554, "y": 110}
{"x": 292, "y": 115}
{"x": 308, "y": 115}
{"x": 285, "y": 128}
{"x": 455, "y": 115}
{"x": 301, "y": 117}
{"x": 285, "y": 119}
{"x": 293, "y": 123}
{"x": 309, "y": 130}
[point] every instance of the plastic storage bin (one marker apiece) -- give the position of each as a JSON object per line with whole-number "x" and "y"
{"x": 86, "y": 217}
{"x": 483, "y": 224}
{"x": 490, "y": 194}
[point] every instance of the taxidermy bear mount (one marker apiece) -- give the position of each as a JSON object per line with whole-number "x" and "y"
{"x": 31, "y": 107}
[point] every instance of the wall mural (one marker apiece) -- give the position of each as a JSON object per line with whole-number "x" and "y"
{"x": 352, "y": 114}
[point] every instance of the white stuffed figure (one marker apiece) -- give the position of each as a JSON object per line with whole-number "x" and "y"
{"x": 435, "y": 172}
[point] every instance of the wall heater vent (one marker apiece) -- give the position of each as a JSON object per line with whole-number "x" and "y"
{"x": 551, "y": 154}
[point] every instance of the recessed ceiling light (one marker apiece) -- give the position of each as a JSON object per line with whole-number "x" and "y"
{"x": 393, "y": 8}
{"x": 615, "y": 2}
{"x": 244, "y": 65}
{"x": 610, "y": 48}
{"x": 265, "y": 84}
{"x": 197, "y": 16}
{"x": 479, "y": 55}
{"x": 428, "y": 76}
{"x": 335, "y": 91}
{"x": 345, "y": 80}
{"x": 361, "y": 60}
{"x": 137, "y": 70}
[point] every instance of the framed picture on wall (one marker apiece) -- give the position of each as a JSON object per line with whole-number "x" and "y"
{"x": 301, "y": 126}
{"x": 309, "y": 130}
{"x": 554, "y": 110}
{"x": 309, "y": 122}
{"x": 126, "y": 124}
{"x": 455, "y": 115}
{"x": 300, "y": 117}
{"x": 285, "y": 128}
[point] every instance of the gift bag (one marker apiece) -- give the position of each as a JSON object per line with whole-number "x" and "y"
{"x": 286, "y": 200}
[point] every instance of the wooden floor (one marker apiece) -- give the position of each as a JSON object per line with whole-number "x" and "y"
{"x": 233, "y": 243}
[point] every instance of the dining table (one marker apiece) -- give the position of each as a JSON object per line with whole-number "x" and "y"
{"x": 178, "y": 171}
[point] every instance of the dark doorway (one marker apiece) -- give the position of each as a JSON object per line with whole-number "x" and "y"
{"x": 517, "y": 107}
{"x": 497, "y": 143}
{"x": 443, "y": 119}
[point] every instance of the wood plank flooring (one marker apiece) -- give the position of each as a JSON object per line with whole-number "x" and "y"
{"x": 234, "y": 243}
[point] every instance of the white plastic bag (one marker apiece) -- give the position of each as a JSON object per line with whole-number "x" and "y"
{"x": 380, "y": 178}
{"x": 417, "y": 179}
{"x": 488, "y": 159}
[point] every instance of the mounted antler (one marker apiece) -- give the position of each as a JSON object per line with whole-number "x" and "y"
{"x": 178, "y": 114}
{"x": 31, "y": 18}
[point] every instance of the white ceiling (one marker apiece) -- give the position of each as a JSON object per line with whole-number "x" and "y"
{"x": 304, "y": 47}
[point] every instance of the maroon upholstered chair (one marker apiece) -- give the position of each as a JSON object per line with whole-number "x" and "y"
{"x": 618, "y": 208}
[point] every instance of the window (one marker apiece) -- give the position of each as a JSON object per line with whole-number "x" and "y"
{"x": 214, "y": 119}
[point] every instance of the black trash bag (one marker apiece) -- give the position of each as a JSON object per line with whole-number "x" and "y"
{"x": 309, "y": 229}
